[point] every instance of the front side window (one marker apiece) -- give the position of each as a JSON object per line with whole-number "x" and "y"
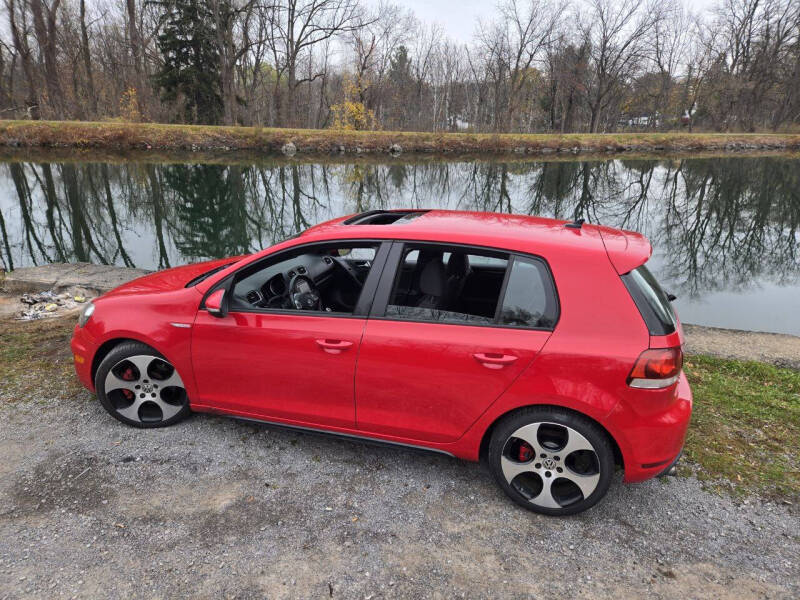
{"x": 449, "y": 284}
{"x": 327, "y": 279}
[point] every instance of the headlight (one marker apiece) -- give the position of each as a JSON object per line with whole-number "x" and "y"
{"x": 85, "y": 314}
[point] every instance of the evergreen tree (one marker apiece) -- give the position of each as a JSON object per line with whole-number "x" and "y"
{"x": 211, "y": 210}
{"x": 402, "y": 88}
{"x": 400, "y": 67}
{"x": 190, "y": 75}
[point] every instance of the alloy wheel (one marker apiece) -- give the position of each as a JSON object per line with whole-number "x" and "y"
{"x": 145, "y": 389}
{"x": 551, "y": 465}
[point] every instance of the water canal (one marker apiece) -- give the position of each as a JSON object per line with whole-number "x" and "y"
{"x": 724, "y": 230}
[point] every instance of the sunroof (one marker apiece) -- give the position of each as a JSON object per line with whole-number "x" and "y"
{"x": 384, "y": 217}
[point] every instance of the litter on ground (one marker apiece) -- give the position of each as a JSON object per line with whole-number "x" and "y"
{"x": 49, "y": 303}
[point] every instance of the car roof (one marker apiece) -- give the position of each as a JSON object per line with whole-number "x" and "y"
{"x": 535, "y": 235}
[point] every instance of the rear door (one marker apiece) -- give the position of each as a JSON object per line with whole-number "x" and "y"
{"x": 427, "y": 371}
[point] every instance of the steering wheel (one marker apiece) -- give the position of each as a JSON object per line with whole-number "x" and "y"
{"x": 345, "y": 266}
{"x": 303, "y": 294}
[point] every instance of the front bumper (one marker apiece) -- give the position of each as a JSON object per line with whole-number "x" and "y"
{"x": 650, "y": 437}
{"x": 83, "y": 350}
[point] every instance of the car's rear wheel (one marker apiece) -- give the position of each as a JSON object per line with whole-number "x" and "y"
{"x": 138, "y": 386}
{"x": 551, "y": 461}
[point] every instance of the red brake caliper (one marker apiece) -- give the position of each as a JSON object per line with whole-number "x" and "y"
{"x": 525, "y": 452}
{"x": 128, "y": 375}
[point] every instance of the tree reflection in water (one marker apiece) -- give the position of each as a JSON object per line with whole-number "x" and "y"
{"x": 716, "y": 223}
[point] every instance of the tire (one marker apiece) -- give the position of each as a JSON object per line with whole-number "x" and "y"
{"x": 551, "y": 461}
{"x": 139, "y": 387}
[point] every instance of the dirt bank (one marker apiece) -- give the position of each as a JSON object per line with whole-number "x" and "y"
{"x": 774, "y": 348}
{"x": 160, "y": 137}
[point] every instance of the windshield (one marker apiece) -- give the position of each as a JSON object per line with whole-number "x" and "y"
{"x": 207, "y": 274}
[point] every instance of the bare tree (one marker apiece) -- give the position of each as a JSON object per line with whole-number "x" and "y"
{"x": 668, "y": 52}
{"x": 529, "y": 68}
{"x": 18, "y": 24}
{"x": 44, "y": 26}
{"x": 232, "y": 21}
{"x": 296, "y": 28}
{"x": 426, "y": 40}
{"x": 87, "y": 58}
{"x": 616, "y": 32}
{"x": 512, "y": 45}
{"x": 373, "y": 41}
{"x": 135, "y": 39}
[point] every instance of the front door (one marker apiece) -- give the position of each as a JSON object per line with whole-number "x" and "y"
{"x": 288, "y": 346}
{"x": 278, "y": 366}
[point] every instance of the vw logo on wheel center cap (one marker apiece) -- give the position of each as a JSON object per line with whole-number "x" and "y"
{"x": 549, "y": 463}
{"x": 147, "y": 388}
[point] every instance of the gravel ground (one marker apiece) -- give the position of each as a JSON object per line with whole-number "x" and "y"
{"x": 220, "y": 508}
{"x": 776, "y": 348}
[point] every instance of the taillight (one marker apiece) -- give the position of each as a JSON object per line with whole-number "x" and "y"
{"x": 656, "y": 368}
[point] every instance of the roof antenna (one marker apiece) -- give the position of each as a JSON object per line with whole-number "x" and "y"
{"x": 576, "y": 224}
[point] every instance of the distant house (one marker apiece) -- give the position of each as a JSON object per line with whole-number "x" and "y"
{"x": 641, "y": 121}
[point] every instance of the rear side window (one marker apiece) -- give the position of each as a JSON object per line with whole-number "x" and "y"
{"x": 448, "y": 284}
{"x": 651, "y": 300}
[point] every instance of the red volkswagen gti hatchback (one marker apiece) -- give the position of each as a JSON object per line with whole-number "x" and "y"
{"x": 545, "y": 348}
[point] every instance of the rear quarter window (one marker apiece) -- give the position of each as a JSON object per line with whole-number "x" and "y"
{"x": 651, "y": 300}
{"x": 529, "y": 299}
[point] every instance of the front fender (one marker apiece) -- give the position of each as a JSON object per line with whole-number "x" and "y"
{"x": 162, "y": 321}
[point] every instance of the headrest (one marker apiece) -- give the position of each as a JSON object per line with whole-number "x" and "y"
{"x": 433, "y": 278}
{"x": 458, "y": 265}
{"x": 427, "y": 255}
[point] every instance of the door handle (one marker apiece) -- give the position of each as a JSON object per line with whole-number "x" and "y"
{"x": 494, "y": 360}
{"x": 334, "y": 346}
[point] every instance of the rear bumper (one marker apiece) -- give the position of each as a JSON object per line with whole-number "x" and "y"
{"x": 83, "y": 348}
{"x": 667, "y": 469}
{"x": 651, "y": 438}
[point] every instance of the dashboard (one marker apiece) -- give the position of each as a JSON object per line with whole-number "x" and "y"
{"x": 269, "y": 287}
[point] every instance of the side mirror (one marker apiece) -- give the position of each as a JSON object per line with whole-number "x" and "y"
{"x": 216, "y": 304}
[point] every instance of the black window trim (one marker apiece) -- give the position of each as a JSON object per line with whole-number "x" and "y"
{"x": 386, "y": 284}
{"x": 365, "y": 300}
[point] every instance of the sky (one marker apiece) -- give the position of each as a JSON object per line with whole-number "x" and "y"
{"x": 459, "y": 17}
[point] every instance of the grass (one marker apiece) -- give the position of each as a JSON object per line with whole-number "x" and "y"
{"x": 745, "y": 431}
{"x": 35, "y": 360}
{"x": 744, "y": 436}
{"x": 155, "y": 136}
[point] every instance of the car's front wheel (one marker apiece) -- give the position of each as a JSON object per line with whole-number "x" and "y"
{"x": 138, "y": 386}
{"x": 551, "y": 461}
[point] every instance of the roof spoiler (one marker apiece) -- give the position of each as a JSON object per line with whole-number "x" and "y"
{"x": 626, "y": 249}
